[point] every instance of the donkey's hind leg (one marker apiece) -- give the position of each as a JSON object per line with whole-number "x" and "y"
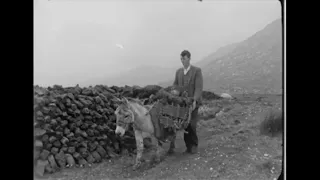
{"x": 158, "y": 148}
{"x": 139, "y": 142}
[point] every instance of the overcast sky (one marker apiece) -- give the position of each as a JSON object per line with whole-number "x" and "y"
{"x": 83, "y": 39}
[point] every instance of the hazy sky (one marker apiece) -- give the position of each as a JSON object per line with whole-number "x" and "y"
{"x": 82, "y": 39}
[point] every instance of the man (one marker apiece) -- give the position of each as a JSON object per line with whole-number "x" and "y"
{"x": 190, "y": 79}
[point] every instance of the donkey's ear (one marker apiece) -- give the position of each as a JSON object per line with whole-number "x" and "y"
{"x": 155, "y": 103}
{"x": 144, "y": 101}
{"x": 149, "y": 107}
{"x": 125, "y": 100}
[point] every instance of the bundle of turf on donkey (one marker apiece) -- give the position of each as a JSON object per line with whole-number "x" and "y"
{"x": 161, "y": 120}
{"x": 171, "y": 112}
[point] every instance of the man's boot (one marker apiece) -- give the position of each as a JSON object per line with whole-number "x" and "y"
{"x": 191, "y": 150}
{"x": 194, "y": 150}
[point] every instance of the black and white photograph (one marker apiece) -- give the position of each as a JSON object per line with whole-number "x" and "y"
{"x": 159, "y": 89}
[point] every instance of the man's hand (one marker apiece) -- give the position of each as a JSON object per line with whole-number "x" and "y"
{"x": 194, "y": 105}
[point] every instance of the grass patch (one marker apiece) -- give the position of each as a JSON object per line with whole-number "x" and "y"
{"x": 272, "y": 125}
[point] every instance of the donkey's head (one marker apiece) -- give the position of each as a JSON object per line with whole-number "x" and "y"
{"x": 124, "y": 116}
{"x": 130, "y": 111}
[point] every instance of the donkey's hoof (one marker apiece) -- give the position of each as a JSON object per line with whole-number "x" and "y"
{"x": 157, "y": 160}
{"x": 136, "y": 166}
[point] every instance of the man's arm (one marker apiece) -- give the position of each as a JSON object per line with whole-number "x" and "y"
{"x": 198, "y": 84}
{"x": 175, "y": 82}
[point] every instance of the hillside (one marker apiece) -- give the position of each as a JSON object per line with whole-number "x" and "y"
{"x": 217, "y": 54}
{"x": 253, "y": 65}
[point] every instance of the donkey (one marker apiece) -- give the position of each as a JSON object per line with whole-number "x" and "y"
{"x": 133, "y": 111}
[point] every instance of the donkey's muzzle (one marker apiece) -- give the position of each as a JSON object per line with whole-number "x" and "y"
{"x": 119, "y": 131}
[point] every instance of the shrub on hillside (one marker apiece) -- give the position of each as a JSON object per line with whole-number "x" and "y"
{"x": 208, "y": 110}
{"x": 208, "y": 95}
{"x": 272, "y": 124}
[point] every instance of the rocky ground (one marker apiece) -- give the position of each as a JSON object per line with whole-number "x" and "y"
{"x": 231, "y": 147}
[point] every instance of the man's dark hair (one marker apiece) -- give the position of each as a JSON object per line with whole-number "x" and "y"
{"x": 185, "y": 53}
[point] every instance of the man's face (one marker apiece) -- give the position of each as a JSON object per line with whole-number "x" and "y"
{"x": 185, "y": 61}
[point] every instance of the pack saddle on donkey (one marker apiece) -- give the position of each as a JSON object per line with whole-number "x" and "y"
{"x": 169, "y": 113}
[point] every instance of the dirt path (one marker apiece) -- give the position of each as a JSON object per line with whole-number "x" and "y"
{"x": 230, "y": 147}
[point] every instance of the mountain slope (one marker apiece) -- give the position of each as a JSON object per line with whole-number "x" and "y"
{"x": 253, "y": 65}
{"x": 217, "y": 54}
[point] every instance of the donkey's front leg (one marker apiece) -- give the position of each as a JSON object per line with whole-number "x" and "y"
{"x": 139, "y": 142}
{"x": 172, "y": 144}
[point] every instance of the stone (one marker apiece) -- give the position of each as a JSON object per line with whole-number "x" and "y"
{"x": 47, "y": 119}
{"x": 90, "y": 159}
{"x": 45, "y": 110}
{"x": 64, "y": 140}
{"x": 57, "y": 144}
{"x": 53, "y": 163}
{"x": 73, "y": 107}
{"x": 79, "y": 105}
{"x": 61, "y": 159}
{"x": 101, "y": 151}
{"x": 76, "y": 155}
{"x": 64, "y": 114}
{"x": 70, "y": 135}
{"x": 38, "y": 144}
{"x": 64, "y": 123}
{"x": 71, "y": 150}
{"x": 96, "y": 156}
{"x": 48, "y": 146}
{"x": 39, "y": 114}
{"x": 70, "y": 161}
{"x": 54, "y": 150}
{"x": 70, "y": 95}
{"x": 92, "y": 146}
{"x": 40, "y": 167}
{"x": 64, "y": 148}
{"x": 48, "y": 169}
{"x": 44, "y": 154}
{"x": 82, "y": 162}
{"x": 36, "y": 154}
{"x": 66, "y": 131}
{"x": 39, "y": 132}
